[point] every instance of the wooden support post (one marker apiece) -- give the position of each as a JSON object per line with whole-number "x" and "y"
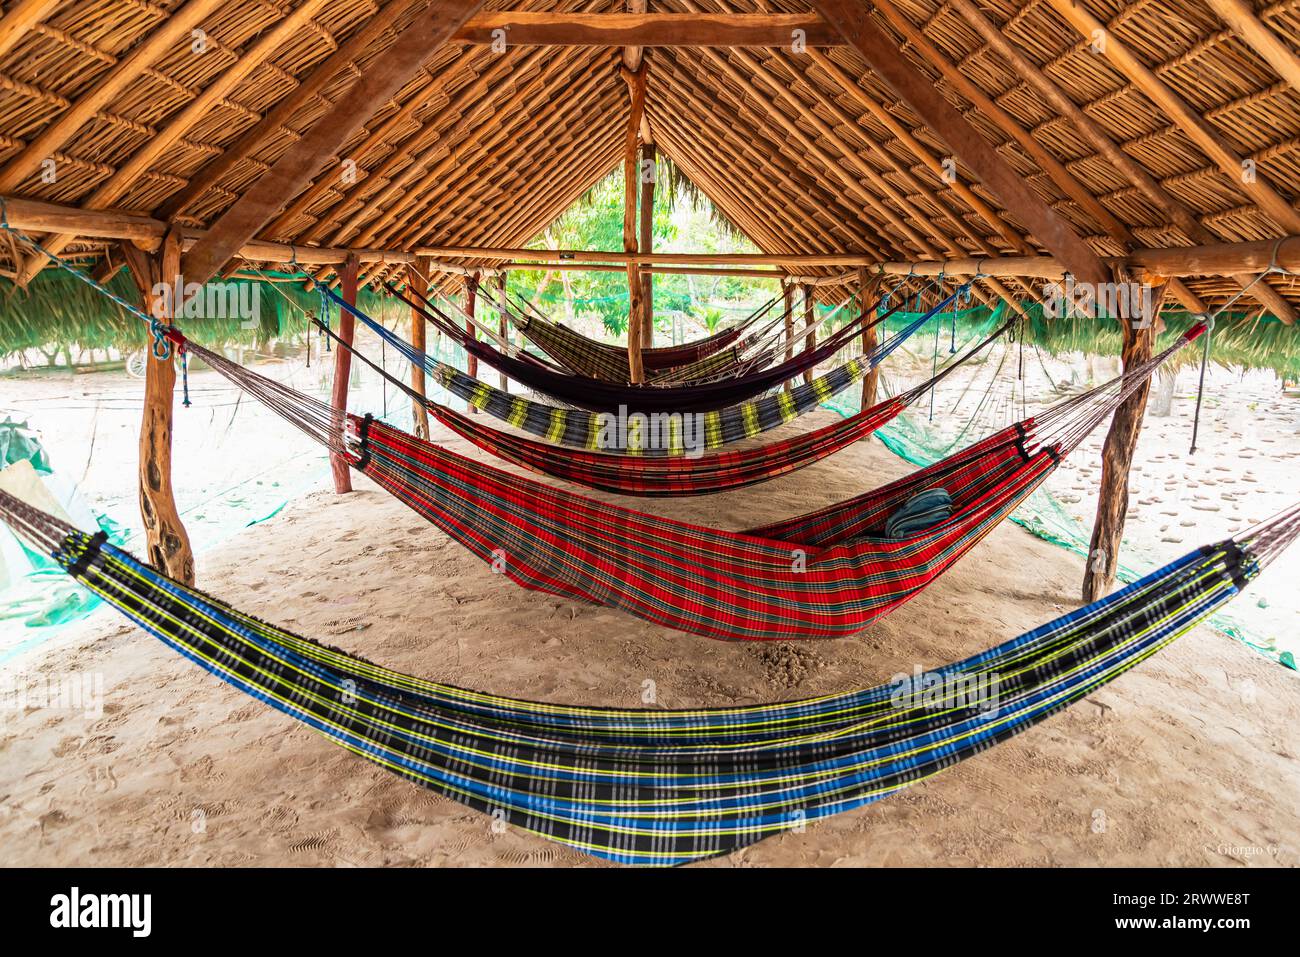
{"x": 868, "y": 287}
{"x": 417, "y": 277}
{"x": 1139, "y": 332}
{"x": 635, "y": 320}
{"x": 502, "y": 327}
{"x": 343, "y": 370}
{"x": 787, "y": 293}
{"x": 809, "y": 317}
{"x": 648, "y": 173}
{"x": 471, "y": 299}
{"x": 166, "y": 542}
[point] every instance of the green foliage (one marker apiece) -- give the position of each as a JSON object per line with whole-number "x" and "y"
{"x": 58, "y": 311}
{"x": 683, "y": 220}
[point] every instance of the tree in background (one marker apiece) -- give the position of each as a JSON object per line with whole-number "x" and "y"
{"x": 684, "y": 221}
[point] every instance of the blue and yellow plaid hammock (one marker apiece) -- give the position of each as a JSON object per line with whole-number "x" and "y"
{"x": 665, "y": 787}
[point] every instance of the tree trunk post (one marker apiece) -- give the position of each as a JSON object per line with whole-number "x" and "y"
{"x": 1138, "y": 330}
{"x": 809, "y": 316}
{"x": 787, "y": 294}
{"x": 471, "y": 299}
{"x": 503, "y": 328}
{"x": 417, "y": 276}
{"x": 648, "y": 173}
{"x": 166, "y": 542}
{"x": 867, "y": 289}
{"x": 343, "y": 370}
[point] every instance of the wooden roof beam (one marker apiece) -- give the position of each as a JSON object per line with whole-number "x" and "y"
{"x": 443, "y": 179}
{"x": 1241, "y": 17}
{"x": 102, "y": 92}
{"x": 126, "y": 175}
{"x": 1207, "y": 139}
{"x": 245, "y": 147}
{"x": 350, "y": 210}
{"x": 20, "y": 18}
{"x": 1179, "y": 215}
{"x": 918, "y": 91}
{"x": 710, "y": 114}
{"x": 637, "y": 29}
{"x": 294, "y": 170}
{"x": 827, "y": 162}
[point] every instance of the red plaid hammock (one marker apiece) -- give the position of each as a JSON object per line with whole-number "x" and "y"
{"x": 829, "y": 573}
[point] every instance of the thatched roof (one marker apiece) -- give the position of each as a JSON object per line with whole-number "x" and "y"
{"x": 805, "y": 152}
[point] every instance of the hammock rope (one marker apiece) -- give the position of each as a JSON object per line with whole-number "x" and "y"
{"x": 828, "y": 573}
{"x": 600, "y": 396}
{"x": 582, "y": 429}
{"x": 667, "y": 787}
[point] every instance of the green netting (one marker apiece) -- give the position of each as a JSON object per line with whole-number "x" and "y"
{"x": 916, "y": 439}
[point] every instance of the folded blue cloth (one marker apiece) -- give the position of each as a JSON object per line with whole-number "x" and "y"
{"x": 924, "y": 509}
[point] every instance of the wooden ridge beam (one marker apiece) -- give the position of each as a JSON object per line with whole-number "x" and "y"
{"x": 640, "y": 29}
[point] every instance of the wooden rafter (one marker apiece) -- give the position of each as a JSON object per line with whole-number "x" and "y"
{"x": 852, "y": 20}
{"x": 243, "y": 149}
{"x": 292, "y": 172}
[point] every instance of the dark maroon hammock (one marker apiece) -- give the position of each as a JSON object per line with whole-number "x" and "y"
{"x": 656, "y": 476}
{"x": 598, "y": 395}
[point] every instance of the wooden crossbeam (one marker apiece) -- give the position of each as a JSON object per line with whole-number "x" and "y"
{"x": 639, "y": 30}
{"x": 1210, "y": 259}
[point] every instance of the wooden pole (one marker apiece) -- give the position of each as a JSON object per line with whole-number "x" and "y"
{"x": 166, "y": 542}
{"x": 787, "y": 293}
{"x": 343, "y": 370}
{"x": 868, "y": 286}
{"x": 1139, "y": 333}
{"x": 417, "y": 277}
{"x": 809, "y": 340}
{"x": 635, "y": 319}
{"x": 471, "y": 298}
{"x": 648, "y": 173}
{"x": 503, "y": 328}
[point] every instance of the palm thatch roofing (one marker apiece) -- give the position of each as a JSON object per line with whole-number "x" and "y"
{"x": 175, "y": 108}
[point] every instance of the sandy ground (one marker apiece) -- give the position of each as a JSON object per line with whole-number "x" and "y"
{"x": 1188, "y": 760}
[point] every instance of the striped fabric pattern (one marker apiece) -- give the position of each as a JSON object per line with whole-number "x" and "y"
{"x": 571, "y": 345}
{"x": 580, "y": 355}
{"x": 828, "y": 573}
{"x": 642, "y": 474}
{"x": 581, "y": 429}
{"x": 600, "y": 396}
{"x": 667, "y": 787}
